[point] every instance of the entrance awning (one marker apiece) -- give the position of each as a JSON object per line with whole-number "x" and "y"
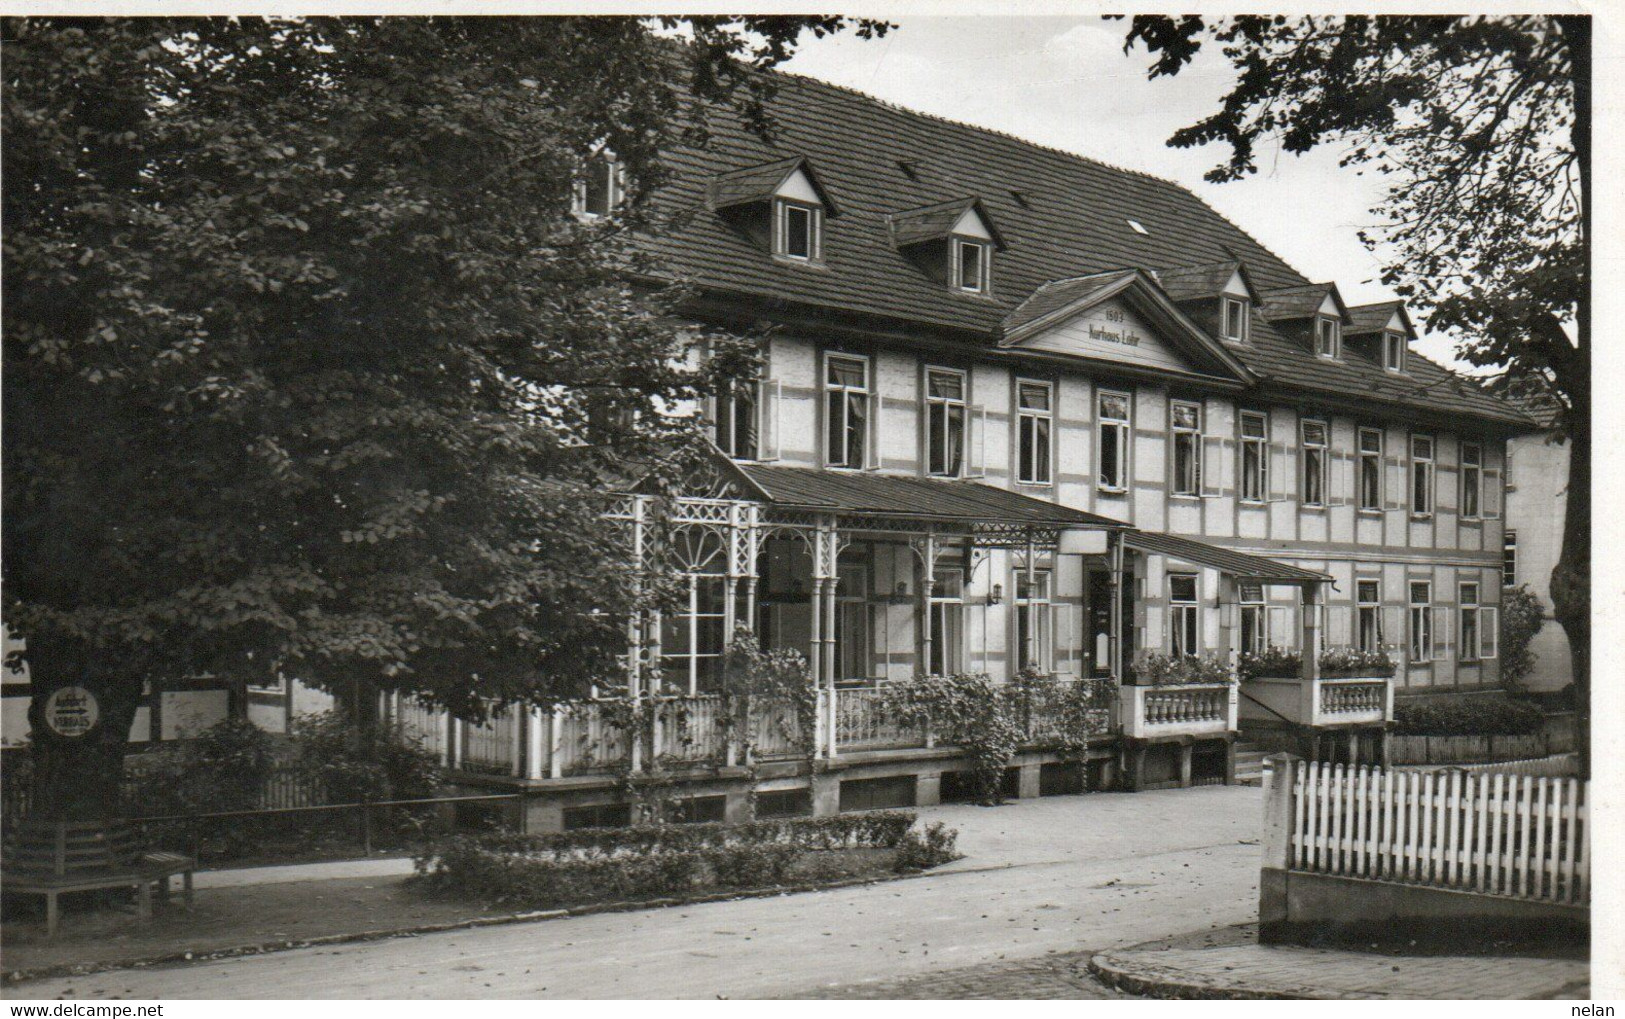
{"x": 1226, "y": 560}
{"x": 858, "y": 493}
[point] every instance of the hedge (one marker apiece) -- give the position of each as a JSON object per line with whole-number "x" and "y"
{"x": 598, "y": 864}
{"x": 1466, "y": 716}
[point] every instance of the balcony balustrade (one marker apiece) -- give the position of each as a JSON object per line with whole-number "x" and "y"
{"x": 1197, "y": 709}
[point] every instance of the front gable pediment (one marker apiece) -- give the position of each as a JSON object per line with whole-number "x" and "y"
{"x": 1121, "y": 318}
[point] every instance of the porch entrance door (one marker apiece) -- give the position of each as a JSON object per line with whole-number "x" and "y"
{"x": 1098, "y": 615}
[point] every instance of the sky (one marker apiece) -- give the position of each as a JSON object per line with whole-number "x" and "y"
{"x": 1065, "y": 82}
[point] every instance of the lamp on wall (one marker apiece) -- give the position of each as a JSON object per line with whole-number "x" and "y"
{"x": 902, "y": 589}
{"x": 996, "y": 596}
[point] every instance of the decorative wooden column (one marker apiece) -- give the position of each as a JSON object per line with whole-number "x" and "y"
{"x": 1311, "y": 634}
{"x": 1114, "y": 549}
{"x": 824, "y": 552}
{"x": 925, "y": 550}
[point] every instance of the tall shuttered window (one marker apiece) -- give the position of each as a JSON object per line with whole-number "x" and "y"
{"x": 1255, "y": 457}
{"x": 1368, "y": 597}
{"x": 1035, "y": 410}
{"x": 1472, "y": 479}
{"x": 1421, "y": 618}
{"x": 1185, "y": 421}
{"x": 945, "y": 422}
{"x": 736, "y": 417}
{"x": 1314, "y": 463}
{"x": 1255, "y": 636}
{"x": 1370, "y": 469}
{"x": 1421, "y": 475}
{"x": 1035, "y": 638}
{"x": 1113, "y": 450}
{"x": 1184, "y": 616}
{"x": 846, "y": 410}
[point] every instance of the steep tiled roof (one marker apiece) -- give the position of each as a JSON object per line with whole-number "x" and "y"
{"x": 1371, "y": 318}
{"x": 1287, "y": 303}
{"x": 1071, "y": 221}
{"x": 1057, "y": 294}
{"x": 757, "y": 183}
{"x": 934, "y": 222}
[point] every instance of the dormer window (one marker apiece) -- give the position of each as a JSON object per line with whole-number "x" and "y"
{"x": 1235, "y": 320}
{"x": 1328, "y": 337}
{"x": 1393, "y": 352}
{"x": 599, "y": 188}
{"x": 972, "y": 262}
{"x": 798, "y": 230}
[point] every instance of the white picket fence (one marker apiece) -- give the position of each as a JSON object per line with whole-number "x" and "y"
{"x": 1488, "y": 832}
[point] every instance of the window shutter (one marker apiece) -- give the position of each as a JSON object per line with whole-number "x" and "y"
{"x": 976, "y": 443}
{"x": 1212, "y": 465}
{"x": 1278, "y": 473}
{"x": 767, "y": 427}
{"x": 871, "y": 455}
{"x": 1441, "y": 631}
{"x": 1490, "y": 499}
{"x": 1342, "y": 479}
{"x": 1393, "y": 493}
{"x": 1280, "y": 627}
{"x": 1393, "y": 628}
{"x": 1489, "y": 633}
{"x": 1338, "y": 626}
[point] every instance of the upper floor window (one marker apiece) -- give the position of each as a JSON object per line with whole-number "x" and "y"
{"x": 1368, "y": 598}
{"x": 1371, "y": 468}
{"x": 944, "y": 421}
{"x": 1314, "y": 463}
{"x": 1509, "y": 558}
{"x": 846, "y": 410}
{"x": 1235, "y": 320}
{"x": 1255, "y": 456}
{"x": 798, "y": 230}
{"x": 1113, "y": 411}
{"x": 736, "y": 418}
{"x": 1393, "y": 351}
{"x": 1421, "y": 474}
{"x": 1472, "y": 479}
{"x": 599, "y": 188}
{"x": 1186, "y": 423}
{"x": 972, "y": 266}
{"x": 1035, "y": 411}
{"x": 1184, "y": 619}
{"x": 1328, "y": 337}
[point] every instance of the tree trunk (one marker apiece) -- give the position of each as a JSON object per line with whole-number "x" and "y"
{"x": 78, "y": 777}
{"x": 1571, "y": 580}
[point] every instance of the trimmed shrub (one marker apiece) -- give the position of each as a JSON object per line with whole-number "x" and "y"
{"x": 1465, "y": 716}
{"x": 930, "y": 848}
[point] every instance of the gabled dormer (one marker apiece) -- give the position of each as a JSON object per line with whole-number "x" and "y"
{"x": 1314, "y": 314}
{"x": 781, "y": 206}
{"x": 952, "y": 242}
{"x": 1382, "y": 332}
{"x": 600, "y": 186}
{"x": 1219, "y": 296}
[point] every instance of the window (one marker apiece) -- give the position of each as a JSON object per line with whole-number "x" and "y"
{"x": 971, "y": 266}
{"x": 1370, "y": 468}
{"x": 1393, "y": 351}
{"x": 1509, "y": 559}
{"x": 846, "y": 410}
{"x": 798, "y": 230}
{"x": 692, "y": 638}
{"x": 736, "y": 421}
{"x": 944, "y": 422}
{"x": 1255, "y": 457}
{"x": 1467, "y": 608}
{"x": 1235, "y": 320}
{"x": 598, "y": 190}
{"x": 853, "y": 643}
{"x": 1328, "y": 337}
{"x": 1035, "y": 638}
{"x": 1421, "y": 621}
{"x": 1421, "y": 475}
{"x": 947, "y": 622}
{"x": 1035, "y": 409}
{"x": 1186, "y": 422}
{"x": 1472, "y": 480}
{"x": 1314, "y": 463}
{"x": 1184, "y": 622}
{"x": 1255, "y": 635}
{"x": 1113, "y": 409}
{"x": 1368, "y": 598}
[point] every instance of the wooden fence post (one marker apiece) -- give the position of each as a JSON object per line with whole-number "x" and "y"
{"x": 1276, "y": 840}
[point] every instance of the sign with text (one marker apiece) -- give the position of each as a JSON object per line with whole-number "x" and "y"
{"x": 71, "y": 711}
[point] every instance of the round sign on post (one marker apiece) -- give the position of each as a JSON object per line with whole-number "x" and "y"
{"x": 71, "y": 711}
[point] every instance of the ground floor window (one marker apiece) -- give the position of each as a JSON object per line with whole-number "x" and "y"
{"x": 1421, "y": 607}
{"x": 1468, "y": 626}
{"x": 1255, "y": 635}
{"x": 947, "y": 622}
{"x": 1035, "y": 630}
{"x": 854, "y": 634}
{"x": 692, "y": 638}
{"x": 1184, "y": 621}
{"x": 1369, "y": 598}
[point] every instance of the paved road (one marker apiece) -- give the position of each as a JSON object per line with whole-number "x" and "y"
{"x": 1045, "y": 876}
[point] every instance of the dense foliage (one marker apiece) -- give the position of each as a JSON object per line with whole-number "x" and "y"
{"x": 1482, "y": 127}
{"x": 1522, "y": 617}
{"x": 309, "y": 367}
{"x": 1155, "y": 668}
{"x": 1465, "y": 716}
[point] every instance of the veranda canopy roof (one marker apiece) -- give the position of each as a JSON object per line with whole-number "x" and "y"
{"x": 863, "y": 494}
{"x": 1226, "y": 560}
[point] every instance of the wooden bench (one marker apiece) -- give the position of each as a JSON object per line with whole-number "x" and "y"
{"x": 53, "y": 858}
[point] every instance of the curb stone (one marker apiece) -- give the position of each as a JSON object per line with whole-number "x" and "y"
{"x": 1149, "y": 980}
{"x": 12, "y": 978}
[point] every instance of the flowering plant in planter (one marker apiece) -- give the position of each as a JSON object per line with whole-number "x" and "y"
{"x": 1346, "y": 662}
{"x": 1153, "y": 668}
{"x": 1271, "y": 663}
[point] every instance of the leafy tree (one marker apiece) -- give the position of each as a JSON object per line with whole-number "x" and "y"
{"x": 1483, "y": 127}
{"x": 308, "y": 365}
{"x": 1522, "y": 617}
